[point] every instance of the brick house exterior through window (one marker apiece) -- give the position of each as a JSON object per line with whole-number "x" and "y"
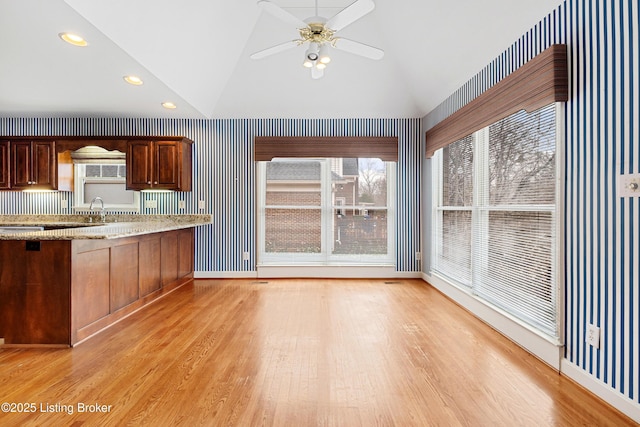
{"x": 324, "y": 211}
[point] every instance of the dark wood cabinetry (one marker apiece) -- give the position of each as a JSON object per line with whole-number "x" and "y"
{"x": 28, "y": 164}
{"x": 4, "y": 165}
{"x": 60, "y": 292}
{"x": 163, "y": 164}
{"x": 34, "y": 292}
{"x": 149, "y": 254}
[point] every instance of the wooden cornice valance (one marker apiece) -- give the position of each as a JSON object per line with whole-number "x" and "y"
{"x": 268, "y": 147}
{"x": 541, "y": 81}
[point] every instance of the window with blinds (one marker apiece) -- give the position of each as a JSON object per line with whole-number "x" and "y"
{"x": 495, "y": 216}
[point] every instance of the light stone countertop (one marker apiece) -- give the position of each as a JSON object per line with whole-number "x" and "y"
{"x": 74, "y": 227}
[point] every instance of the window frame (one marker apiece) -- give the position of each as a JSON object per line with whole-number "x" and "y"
{"x": 327, "y": 207}
{"x": 80, "y": 179}
{"x": 480, "y": 212}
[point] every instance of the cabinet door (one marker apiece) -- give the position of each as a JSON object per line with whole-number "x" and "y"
{"x": 44, "y": 165}
{"x": 4, "y": 165}
{"x": 124, "y": 275}
{"x": 139, "y": 164}
{"x": 167, "y": 165}
{"x": 169, "y": 257}
{"x": 149, "y": 264}
{"x": 20, "y": 164}
{"x": 186, "y": 249}
{"x": 33, "y": 164}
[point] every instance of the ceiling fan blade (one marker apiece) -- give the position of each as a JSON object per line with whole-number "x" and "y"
{"x": 274, "y": 49}
{"x": 358, "y": 48}
{"x": 350, "y": 14}
{"x": 281, "y": 14}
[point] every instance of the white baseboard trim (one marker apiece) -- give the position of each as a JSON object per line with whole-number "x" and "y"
{"x": 310, "y": 271}
{"x": 225, "y": 275}
{"x": 627, "y": 406}
{"x": 535, "y": 343}
{"x": 341, "y": 272}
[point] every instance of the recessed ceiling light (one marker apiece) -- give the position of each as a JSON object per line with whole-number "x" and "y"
{"x": 73, "y": 39}
{"x": 169, "y": 105}
{"x": 134, "y": 80}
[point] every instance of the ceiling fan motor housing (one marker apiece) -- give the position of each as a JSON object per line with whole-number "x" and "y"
{"x": 316, "y": 32}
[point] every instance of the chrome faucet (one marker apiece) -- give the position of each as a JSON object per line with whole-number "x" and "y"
{"x": 103, "y": 214}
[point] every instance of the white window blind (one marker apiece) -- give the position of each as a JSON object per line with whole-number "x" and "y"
{"x": 497, "y": 234}
{"x": 455, "y": 214}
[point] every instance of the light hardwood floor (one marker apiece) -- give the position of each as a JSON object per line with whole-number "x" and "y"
{"x": 291, "y": 352}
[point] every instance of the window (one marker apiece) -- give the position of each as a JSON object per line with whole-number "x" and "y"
{"x": 495, "y": 216}
{"x": 325, "y": 211}
{"x": 100, "y": 173}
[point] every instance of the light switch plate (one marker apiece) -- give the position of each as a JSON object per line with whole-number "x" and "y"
{"x": 629, "y": 185}
{"x": 151, "y": 204}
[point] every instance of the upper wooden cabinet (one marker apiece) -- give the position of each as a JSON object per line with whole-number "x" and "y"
{"x": 162, "y": 164}
{"x": 4, "y": 165}
{"x": 32, "y": 164}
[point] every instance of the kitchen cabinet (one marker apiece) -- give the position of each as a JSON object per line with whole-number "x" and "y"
{"x": 150, "y": 268}
{"x": 61, "y": 292}
{"x": 4, "y": 165}
{"x": 32, "y": 164}
{"x": 161, "y": 164}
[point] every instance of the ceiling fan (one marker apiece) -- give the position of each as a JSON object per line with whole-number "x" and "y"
{"x": 319, "y": 34}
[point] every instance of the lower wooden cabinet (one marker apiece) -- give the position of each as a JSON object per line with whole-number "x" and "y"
{"x": 124, "y": 284}
{"x": 62, "y": 292}
{"x": 34, "y": 292}
{"x": 150, "y": 273}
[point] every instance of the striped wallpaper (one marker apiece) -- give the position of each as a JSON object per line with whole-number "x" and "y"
{"x": 602, "y": 141}
{"x": 224, "y": 177}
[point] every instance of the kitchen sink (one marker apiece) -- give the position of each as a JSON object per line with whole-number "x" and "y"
{"x": 71, "y": 225}
{"x": 12, "y": 229}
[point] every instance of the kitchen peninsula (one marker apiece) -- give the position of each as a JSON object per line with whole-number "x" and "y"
{"x": 64, "y": 283}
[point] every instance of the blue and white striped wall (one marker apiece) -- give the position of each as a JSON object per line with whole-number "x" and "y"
{"x": 224, "y": 177}
{"x": 602, "y": 230}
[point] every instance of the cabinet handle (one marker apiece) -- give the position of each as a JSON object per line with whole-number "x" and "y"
{"x": 149, "y": 182}
{"x": 155, "y": 182}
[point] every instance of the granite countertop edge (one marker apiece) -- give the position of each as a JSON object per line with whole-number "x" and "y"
{"x": 79, "y": 227}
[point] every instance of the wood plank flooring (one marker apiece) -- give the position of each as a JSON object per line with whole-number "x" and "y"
{"x": 292, "y": 352}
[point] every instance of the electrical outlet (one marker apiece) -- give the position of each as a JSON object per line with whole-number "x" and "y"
{"x": 245, "y": 256}
{"x": 593, "y": 336}
{"x": 201, "y": 204}
{"x": 629, "y": 185}
{"x": 181, "y": 204}
{"x": 151, "y": 204}
{"x": 419, "y": 256}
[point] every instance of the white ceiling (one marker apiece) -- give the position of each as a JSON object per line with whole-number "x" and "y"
{"x": 195, "y": 53}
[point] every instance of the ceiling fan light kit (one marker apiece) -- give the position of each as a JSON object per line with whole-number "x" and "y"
{"x": 319, "y": 33}
{"x": 312, "y": 52}
{"x": 324, "y": 54}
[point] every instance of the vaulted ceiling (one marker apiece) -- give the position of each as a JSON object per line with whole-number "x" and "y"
{"x": 196, "y": 54}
